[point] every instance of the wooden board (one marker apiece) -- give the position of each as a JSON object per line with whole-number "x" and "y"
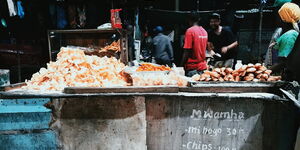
{"x": 226, "y": 90}
{"x": 128, "y": 89}
{"x": 12, "y": 86}
{"x": 230, "y": 87}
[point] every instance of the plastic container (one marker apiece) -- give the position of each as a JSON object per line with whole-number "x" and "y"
{"x": 238, "y": 64}
{"x": 4, "y": 77}
{"x": 115, "y": 18}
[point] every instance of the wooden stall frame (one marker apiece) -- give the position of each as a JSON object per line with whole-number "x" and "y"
{"x": 121, "y": 32}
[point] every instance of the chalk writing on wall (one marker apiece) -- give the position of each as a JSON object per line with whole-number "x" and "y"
{"x": 207, "y": 128}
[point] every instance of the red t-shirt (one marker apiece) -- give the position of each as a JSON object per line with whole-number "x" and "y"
{"x": 196, "y": 39}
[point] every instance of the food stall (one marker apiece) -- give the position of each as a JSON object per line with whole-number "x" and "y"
{"x": 87, "y": 102}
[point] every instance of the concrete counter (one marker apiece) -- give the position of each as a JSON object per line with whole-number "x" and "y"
{"x": 153, "y": 121}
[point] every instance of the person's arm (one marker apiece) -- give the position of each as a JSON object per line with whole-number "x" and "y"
{"x": 188, "y": 45}
{"x": 210, "y": 48}
{"x": 170, "y": 50}
{"x": 231, "y": 37}
{"x": 186, "y": 54}
{"x": 225, "y": 49}
{"x": 277, "y": 43}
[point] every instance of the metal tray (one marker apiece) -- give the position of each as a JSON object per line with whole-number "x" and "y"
{"x": 231, "y": 87}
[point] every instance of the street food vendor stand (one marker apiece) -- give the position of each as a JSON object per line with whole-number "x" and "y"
{"x": 163, "y": 119}
{"x": 146, "y": 120}
{"x": 54, "y": 111}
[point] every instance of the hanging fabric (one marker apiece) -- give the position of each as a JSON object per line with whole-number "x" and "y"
{"x": 21, "y": 13}
{"x": 3, "y": 23}
{"x": 137, "y": 31}
{"x": 11, "y": 8}
{"x": 72, "y": 16}
{"x": 61, "y": 17}
{"x": 52, "y": 12}
{"x": 81, "y": 16}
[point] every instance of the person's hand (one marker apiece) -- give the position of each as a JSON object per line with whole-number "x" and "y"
{"x": 212, "y": 53}
{"x": 210, "y": 46}
{"x": 272, "y": 44}
{"x": 224, "y": 49}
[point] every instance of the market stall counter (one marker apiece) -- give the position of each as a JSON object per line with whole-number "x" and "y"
{"x": 162, "y": 119}
{"x": 88, "y": 102}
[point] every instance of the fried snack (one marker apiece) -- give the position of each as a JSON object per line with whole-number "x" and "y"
{"x": 228, "y": 70}
{"x": 248, "y": 72}
{"x": 251, "y": 69}
{"x": 218, "y": 70}
{"x": 221, "y": 79}
{"x": 248, "y": 78}
{"x": 215, "y": 75}
{"x": 75, "y": 69}
{"x": 114, "y": 46}
{"x": 258, "y": 72}
{"x": 262, "y": 68}
{"x": 237, "y": 78}
{"x": 151, "y": 67}
{"x": 196, "y": 77}
{"x": 257, "y": 65}
{"x": 250, "y": 65}
{"x": 268, "y": 72}
{"x": 274, "y": 78}
{"x": 207, "y": 79}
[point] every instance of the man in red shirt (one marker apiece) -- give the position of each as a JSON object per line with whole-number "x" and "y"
{"x": 194, "y": 48}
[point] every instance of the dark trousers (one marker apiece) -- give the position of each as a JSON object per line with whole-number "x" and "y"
{"x": 190, "y": 73}
{"x": 164, "y": 62}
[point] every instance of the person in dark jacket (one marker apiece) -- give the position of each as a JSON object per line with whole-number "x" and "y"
{"x": 163, "y": 51}
{"x": 222, "y": 41}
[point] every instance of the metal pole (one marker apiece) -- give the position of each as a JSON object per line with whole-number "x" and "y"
{"x": 176, "y": 5}
{"x": 19, "y": 65}
{"x": 198, "y": 5}
{"x": 259, "y": 33}
{"x": 262, "y": 3}
{"x": 49, "y": 44}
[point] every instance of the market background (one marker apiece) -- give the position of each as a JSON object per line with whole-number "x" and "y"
{"x": 28, "y": 35}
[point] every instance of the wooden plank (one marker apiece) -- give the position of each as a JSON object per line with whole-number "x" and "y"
{"x": 226, "y": 89}
{"x": 42, "y": 140}
{"x": 230, "y": 87}
{"x": 87, "y": 31}
{"x": 12, "y": 86}
{"x": 128, "y": 89}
